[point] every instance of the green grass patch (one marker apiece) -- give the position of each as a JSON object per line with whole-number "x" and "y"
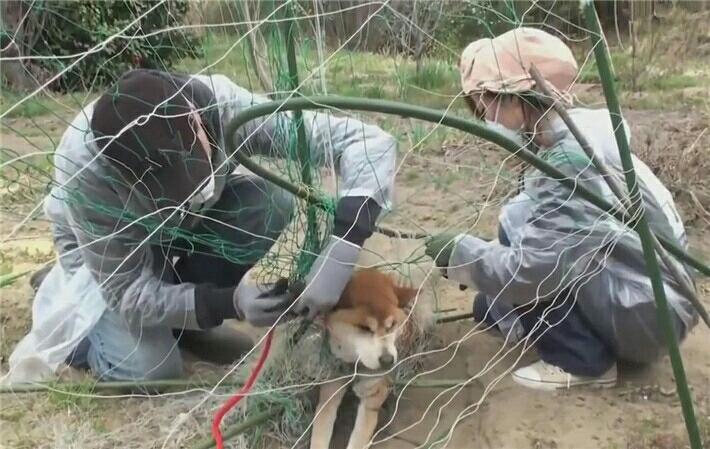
{"x": 32, "y": 107}
{"x": 76, "y": 396}
{"x": 673, "y": 81}
{"x": 347, "y": 73}
{"x": 425, "y": 137}
{"x": 433, "y": 75}
{"x": 621, "y": 62}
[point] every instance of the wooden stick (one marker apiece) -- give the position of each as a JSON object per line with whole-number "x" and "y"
{"x": 452, "y": 318}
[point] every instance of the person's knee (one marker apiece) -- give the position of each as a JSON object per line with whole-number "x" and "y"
{"x": 145, "y": 362}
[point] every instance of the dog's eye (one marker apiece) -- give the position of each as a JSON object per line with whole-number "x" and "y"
{"x": 364, "y": 328}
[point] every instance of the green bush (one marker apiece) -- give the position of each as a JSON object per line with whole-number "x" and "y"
{"x": 74, "y": 27}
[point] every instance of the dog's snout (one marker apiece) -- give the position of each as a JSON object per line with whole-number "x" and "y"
{"x": 386, "y": 360}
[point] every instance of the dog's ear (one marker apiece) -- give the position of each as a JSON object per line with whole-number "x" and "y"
{"x": 404, "y": 295}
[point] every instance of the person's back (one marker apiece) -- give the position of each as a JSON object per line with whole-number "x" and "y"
{"x": 616, "y": 283}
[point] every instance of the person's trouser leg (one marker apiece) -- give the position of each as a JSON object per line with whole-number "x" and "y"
{"x": 498, "y": 314}
{"x": 564, "y": 338}
{"x": 117, "y": 352}
{"x": 242, "y": 226}
{"x": 561, "y": 334}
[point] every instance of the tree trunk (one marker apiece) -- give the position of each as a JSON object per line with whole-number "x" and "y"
{"x": 12, "y": 45}
{"x": 257, "y": 47}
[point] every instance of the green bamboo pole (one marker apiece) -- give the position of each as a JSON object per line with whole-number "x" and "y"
{"x": 242, "y": 426}
{"x": 8, "y": 279}
{"x": 601, "y": 54}
{"x": 431, "y": 115}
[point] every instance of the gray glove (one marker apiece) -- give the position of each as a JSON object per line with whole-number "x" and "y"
{"x": 328, "y": 276}
{"x": 260, "y": 304}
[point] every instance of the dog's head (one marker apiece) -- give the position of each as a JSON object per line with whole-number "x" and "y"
{"x": 365, "y": 324}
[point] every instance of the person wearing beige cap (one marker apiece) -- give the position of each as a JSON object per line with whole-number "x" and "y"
{"x": 563, "y": 276}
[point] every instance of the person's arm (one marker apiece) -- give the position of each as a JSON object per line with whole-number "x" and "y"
{"x": 557, "y": 245}
{"x": 363, "y": 155}
{"x": 65, "y": 243}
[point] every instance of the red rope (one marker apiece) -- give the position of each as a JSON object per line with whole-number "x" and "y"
{"x": 238, "y": 396}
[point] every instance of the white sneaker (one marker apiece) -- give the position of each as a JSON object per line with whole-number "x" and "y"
{"x": 543, "y": 376}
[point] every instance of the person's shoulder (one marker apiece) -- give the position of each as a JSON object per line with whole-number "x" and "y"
{"x": 78, "y": 133}
{"x": 77, "y": 148}
{"x": 215, "y": 81}
{"x": 223, "y": 87}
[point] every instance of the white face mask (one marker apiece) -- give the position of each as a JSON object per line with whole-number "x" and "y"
{"x": 515, "y": 136}
{"x": 205, "y": 194}
{"x": 207, "y": 191}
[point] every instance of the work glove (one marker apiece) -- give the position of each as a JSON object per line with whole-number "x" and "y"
{"x": 440, "y": 247}
{"x": 261, "y": 304}
{"x": 328, "y": 277}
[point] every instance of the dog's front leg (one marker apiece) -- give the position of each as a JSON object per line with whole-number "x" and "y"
{"x": 372, "y": 394}
{"x": 330, "y": 395}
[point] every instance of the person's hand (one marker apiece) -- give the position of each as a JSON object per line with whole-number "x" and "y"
{"x": 261, "y": 304}
{"x": 440, "y": 247}
{"x": 328, "y": 277}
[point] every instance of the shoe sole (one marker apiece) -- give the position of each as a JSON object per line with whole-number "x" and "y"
{"x": 552, "y": 386}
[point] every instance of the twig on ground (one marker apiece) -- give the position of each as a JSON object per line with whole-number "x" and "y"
{"x": 148, "y": 385}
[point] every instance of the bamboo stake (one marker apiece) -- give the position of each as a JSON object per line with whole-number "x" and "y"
{"x": 452, "y": 318}
{"x": 241, "y": 427}
{"x": 9, "y": 278}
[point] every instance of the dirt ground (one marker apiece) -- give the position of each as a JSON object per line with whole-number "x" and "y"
{"x": 491, "y": 411}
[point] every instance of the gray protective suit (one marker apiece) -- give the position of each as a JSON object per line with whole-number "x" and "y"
{"x": 559, "y": 240}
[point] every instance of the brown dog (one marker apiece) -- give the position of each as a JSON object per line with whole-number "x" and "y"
{"x": 368, "y": 327}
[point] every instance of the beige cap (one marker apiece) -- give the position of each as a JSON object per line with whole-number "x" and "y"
{"x": 501, "y": 64}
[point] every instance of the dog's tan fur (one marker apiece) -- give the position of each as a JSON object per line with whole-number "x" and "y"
{"x": 369, "y": 326}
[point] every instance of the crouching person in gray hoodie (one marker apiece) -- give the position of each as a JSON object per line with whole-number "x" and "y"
{"x": 157, "y": 235}
{"x": 564, "y": 276}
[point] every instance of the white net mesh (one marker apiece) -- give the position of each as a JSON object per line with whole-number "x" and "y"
{"x": 453, "y": 385}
